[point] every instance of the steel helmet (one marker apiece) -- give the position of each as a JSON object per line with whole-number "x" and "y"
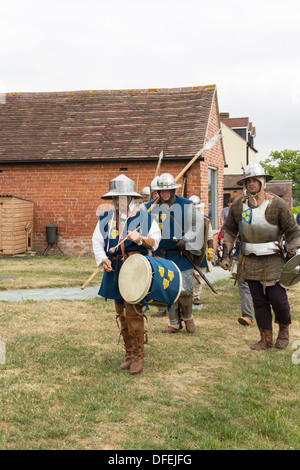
{"x": 121, "y": 186}
{"x": 254, "y": 170}
{"x": 153, "y": 184}
{"x": 165, "y": 182}
{"x": 145, "y": 191}
{"x": 195, "y": 200}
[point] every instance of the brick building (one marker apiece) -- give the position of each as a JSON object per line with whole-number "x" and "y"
{"x": 61, "y": 149}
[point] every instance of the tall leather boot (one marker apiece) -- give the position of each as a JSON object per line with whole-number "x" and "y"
{"x": 126, "y": 337}
{"x": 283, "y": 337}
{"x": 186, "y": 304}
{"x": 265, "y": 341}
{"x": 136, "y": 332}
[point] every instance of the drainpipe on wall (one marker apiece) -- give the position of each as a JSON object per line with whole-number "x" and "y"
{"x": 247, "y": 153}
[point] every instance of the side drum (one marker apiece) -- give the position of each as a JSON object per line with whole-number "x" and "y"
{"x": 149, "y": 280}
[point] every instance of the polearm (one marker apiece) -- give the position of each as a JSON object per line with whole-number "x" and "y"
{"x": 186, "y": 254}
{"x": 209, "y": 145}
{"x": 159, "y": 163}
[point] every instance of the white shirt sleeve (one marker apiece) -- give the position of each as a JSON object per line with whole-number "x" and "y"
{"x": 155, "y": 233}
{"x": 98, "y": 246}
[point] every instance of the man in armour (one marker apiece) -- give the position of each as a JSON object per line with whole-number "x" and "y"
{"x": 262, "y": 220}
{"x": 153, "y": 191}
{"x": 145, "y": 193}
{"x": 138, "y": 232}
{"x": 182, "y": 230}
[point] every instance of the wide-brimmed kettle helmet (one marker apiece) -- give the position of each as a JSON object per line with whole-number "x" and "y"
{"x": 121, "y": 186}
{"x": 254, "y": 170}
{"x": 145, "y": 191}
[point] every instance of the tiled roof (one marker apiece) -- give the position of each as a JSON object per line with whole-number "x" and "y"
{"x": 93, "y": 125}
{"x": 236, "y": 122}
{"x": 230, "y": 181}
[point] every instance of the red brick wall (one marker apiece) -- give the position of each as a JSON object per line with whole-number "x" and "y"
{"x": 213, "y": 158}
{"x": 68, "y": 194}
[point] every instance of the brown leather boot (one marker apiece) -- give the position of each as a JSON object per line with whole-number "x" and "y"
{"x": 189, "y": 325}
{"x": 126, "y": 338}
{"x": 170, "y": 329}
{"x": 136, "y": 332}
{"x": 127, "y": 343}
{"x": 186, "y": 307}
{"x": 137, "y": 363}
{"x": 283, "y": 337}
{"x": 265, "y": 341}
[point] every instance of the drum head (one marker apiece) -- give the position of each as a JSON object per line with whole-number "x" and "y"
{"x": 135, "y": 278}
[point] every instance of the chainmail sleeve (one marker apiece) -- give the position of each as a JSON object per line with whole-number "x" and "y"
{"x": 194, "y": 230}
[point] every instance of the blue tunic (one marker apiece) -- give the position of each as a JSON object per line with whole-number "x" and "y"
{"x": 169, "y": 228}
{"x": 109, "y": 288}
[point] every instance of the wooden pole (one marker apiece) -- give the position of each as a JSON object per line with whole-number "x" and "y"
{"x": 158, "y": 163}
{"x": 210, "y": 144}
{"x": 90, "y": 278}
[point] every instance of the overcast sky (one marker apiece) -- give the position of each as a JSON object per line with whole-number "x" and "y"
{"x": 249, "y": 49}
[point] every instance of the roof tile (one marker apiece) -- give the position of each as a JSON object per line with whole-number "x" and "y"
{"x": 95, "y": 125}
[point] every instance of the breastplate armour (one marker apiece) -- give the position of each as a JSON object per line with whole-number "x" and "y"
{"x": 258, "y": 236}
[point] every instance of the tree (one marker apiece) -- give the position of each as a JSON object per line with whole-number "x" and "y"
{"x": 285, "y": 165}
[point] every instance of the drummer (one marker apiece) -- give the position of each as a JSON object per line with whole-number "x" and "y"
{"x": 161, "y": 311}
{"x": 124, "y": 220}
{"x": 178, "y": 220}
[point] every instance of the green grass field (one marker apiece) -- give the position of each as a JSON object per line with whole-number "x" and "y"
{"x": 61, "y": 386}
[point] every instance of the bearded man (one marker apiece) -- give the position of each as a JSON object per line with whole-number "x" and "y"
{"x": 262, "y": 220}
{"x": 182, "y": 230}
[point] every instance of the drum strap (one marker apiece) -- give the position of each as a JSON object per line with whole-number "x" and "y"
{"x": 117, "y": 318}
{"x": 120, "y": 236}
{"x": 116, "y": 258}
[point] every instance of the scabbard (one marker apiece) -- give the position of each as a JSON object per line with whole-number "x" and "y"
{"x": 186, "y": 254}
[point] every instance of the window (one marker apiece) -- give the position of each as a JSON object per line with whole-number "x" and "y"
{"x": 213, "y": 196}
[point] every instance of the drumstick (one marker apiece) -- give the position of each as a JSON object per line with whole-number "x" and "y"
{"x": 113, "y": 248}
{"x": 91, "y": 278}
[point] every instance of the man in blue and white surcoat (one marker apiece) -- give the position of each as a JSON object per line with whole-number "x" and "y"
{"x": 124, "y": 221}
{"x": 182, "y": 230}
